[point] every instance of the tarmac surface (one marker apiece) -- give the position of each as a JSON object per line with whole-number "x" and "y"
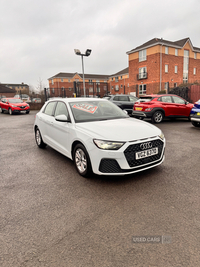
{"x": 51, "y": 216}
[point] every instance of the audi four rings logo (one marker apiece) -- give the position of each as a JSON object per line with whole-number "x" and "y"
{"x": 146, "y": 145}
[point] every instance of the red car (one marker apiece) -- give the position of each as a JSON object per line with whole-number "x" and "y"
{"x": 157, "y": 107}
{"x": 14, "y": 105}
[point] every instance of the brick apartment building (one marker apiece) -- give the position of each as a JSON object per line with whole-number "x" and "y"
{"x": 154, "y": 66}
{"x": 160, "y": 64}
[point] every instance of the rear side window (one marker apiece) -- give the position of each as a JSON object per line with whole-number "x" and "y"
{"x": 178, "y": 100}
{"x": 123, "y": 98}
{"x": 49, "y": 108}
{"x": 166, "y": 99}
{"x": 116, "y": 98}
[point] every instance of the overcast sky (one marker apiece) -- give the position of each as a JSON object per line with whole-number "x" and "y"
{"x": 38, "y": 37}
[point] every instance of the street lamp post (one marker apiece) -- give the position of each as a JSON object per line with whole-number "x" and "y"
{"x": 87, "y": 53}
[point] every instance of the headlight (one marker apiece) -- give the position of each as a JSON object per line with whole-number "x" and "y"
{"x": 108, "y": 145}
{"x": 162, "y": 136}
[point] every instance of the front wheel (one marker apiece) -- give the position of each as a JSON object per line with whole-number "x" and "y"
{"x": 196, "y": 123}
{"x": 1, "y": 110}
{"x": 82, "y": 161}
{"x": 38, "y": 139}
{"x": 27, "y": 112}
{"x": 10, "y": 111}
{"x": 157, "y": 117}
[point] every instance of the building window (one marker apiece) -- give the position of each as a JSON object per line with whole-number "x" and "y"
{"x": 175, "y": 84}
{"x": 194, "y": 71}
{"x": 91, "y": 89}
{"x": 116, "y": 87}
{"x": 185, "y": 66}
{"x": 98, "y": 82}
{"x": 166, "y": 50}
{"x": 53, "y": 91}
{"x": 121, "y": 86}
{"x": 143, "y": 73}
{"x": 142, "y": 89}
{"x": 142, "y": 55}
{"x": 116, "y": 79}
{"x": 166, "y": 68}
{"x": 52, "y": 81}
{"x": 62, "y": 80}
{"x": 69, "y": 80}
{"x": 98, "y": 90}
{"x": 176, "y": 52}
{"x": 195, "y": 55}
{"x": 63, "y": 88}
{"x": 121, "y": 77}
{"x": 90, "y": 81}
{"x": 176, "y": 69}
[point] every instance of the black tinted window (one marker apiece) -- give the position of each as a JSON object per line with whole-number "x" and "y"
{"x": 116, "y": 98}
{"x": 123, "y": 98}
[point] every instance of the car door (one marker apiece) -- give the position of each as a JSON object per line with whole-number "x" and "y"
{"x": 60, "y": 130}
{"x": 180, "y": 107}
{"x": 45, "y": 121}
{"x": 167, "y": 104}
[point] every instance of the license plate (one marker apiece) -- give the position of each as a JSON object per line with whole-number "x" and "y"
{"x": 146, "y": 153}
{"x": 138, "y": 108}
{"x": 23, "y": 111}
{"x": 198, "y": 113}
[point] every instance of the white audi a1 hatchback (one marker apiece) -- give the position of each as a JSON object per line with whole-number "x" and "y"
{"x": 98, "y": 136}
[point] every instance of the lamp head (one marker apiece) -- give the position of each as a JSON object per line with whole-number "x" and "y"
{"x": 77, "y": 51}
{"x": 88, "y": 52}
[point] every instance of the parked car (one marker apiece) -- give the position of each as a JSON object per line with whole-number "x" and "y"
{"x": 36, "y": 100}
{"x": 98, "y": 136}
{"x": 14, "y": 105}
{"x": 195, "y": 114}
{"x": 125, "y": 102}
{"x": 158, "y": 107}
{"x": 24, "y": 97}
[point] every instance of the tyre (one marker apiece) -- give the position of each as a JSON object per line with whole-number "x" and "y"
{"x": 38, "y": 139}
{"x": 27, "y": 112}
{"x": 82, "y": 161}
{"x": 196, "y": 123}
{"x": 10, "y": 111}
{"x": 157, "y": 117}
{"x": 1, "y": 110}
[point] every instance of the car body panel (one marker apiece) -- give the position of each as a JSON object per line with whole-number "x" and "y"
{"x": 195, "y": 112}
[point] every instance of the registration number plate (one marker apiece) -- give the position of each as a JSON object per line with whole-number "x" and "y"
{"x": 138, "y": 108}
{"x": 198, "y": 113}
{"x": 146, "y": 153}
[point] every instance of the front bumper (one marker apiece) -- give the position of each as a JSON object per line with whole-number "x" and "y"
{"x": 142, "y": 114}
{"x": 21, "y": 110}
{"x": 195, "y": 117}
{"x": 123, "y": 161}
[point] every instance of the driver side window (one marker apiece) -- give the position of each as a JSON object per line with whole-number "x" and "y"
{"x": 61, "y": 109}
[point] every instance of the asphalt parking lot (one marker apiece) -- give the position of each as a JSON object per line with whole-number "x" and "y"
{"x": 51, "y": 216}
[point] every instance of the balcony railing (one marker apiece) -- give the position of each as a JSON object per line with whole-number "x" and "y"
{"x": 142, "y": 75}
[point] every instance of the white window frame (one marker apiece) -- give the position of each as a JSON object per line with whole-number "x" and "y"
{"x": 195, "y": 55}
{"x": 117, "y": 87}
{"x": 142, "y": 72}
{"x": 176, "y": 69}
{"x": 142, "y": 55}
{"x": 166, "y": 50}
{"x": 166, "y": 68}
{"x": 142, "y": 89}
{"x": 194, "y": 71}
{"x": 176, "y": 52}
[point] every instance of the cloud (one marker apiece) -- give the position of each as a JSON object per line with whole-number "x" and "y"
{"x": 38, "y": 38}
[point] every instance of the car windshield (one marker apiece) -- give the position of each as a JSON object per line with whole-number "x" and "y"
{"x": 15, "y": 101}
{"x": 85, "y": 111}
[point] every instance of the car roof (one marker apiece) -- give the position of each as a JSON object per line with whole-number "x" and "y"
{"x": 77, "y": 99}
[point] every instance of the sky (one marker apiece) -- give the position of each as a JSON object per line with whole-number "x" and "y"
{"x": 38, "y": 38}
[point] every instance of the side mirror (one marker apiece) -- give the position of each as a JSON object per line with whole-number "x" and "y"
{"x": 125, "y": 111}
{"x": 62, "y": 118}
{"x": 186, "y": 102}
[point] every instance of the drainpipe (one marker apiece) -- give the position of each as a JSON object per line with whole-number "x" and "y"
{"x": 160, "y": 66}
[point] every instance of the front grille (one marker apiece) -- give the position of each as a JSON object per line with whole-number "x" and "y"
{"x": 22, "y": 107}
{"x": 130, "y": 153}
{"x": 109, "y": 166}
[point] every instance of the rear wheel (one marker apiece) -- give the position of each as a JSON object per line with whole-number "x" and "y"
{"x": 196, "y": 123}
{"x": 38, "y": 139}
{"x": 157, "y": 117}
{"x": 82, "y": 161}
{"x": 10, "y": 111}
